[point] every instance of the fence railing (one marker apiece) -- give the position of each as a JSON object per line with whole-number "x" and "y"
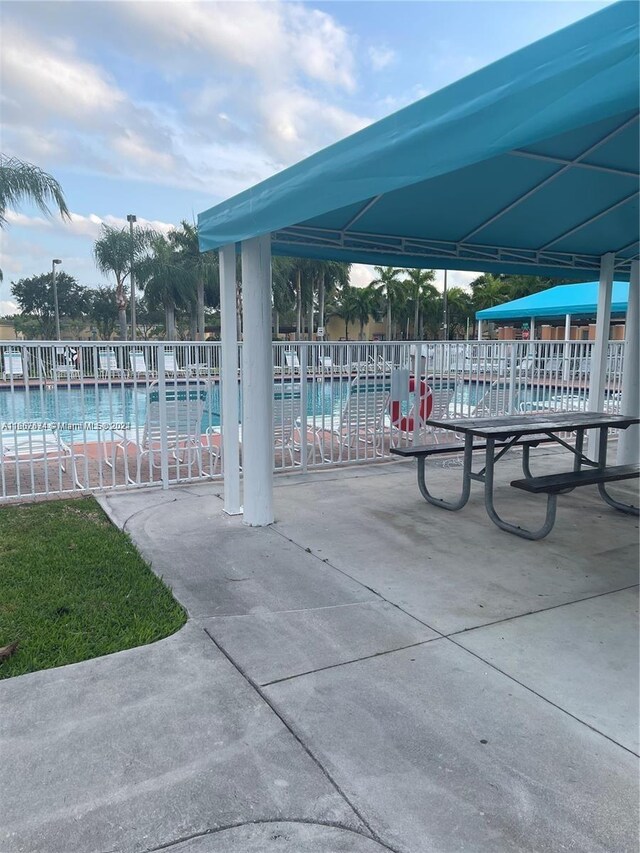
{"x": 93, "y": 416}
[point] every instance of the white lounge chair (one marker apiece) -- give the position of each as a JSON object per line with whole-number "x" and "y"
{"x": 170, "y": 364}
{"x": 291, "y": 361}
{"x": 64, "y": 366}
{"x": 13, "y": 366}
{"x": 108, "y": 364}
{"x": 287, "y": 401}
{"x": 183, "y": 411}
{"x": 359, "y": 431}
{"x": 139, "y": 365}
{"x": 35, "y": 446}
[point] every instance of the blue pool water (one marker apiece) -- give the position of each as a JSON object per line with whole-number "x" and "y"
{"x": 78, "y": 410}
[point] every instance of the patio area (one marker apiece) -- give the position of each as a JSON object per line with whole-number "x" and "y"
{"x": 368, "y": 673}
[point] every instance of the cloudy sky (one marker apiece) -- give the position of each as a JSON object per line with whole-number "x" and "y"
{"x": 162, "y": 109}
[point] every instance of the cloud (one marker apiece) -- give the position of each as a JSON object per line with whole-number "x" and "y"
{"x": 362, "y": 275}
{"x": 8, "y": 307}
{"x": 380, "y": 57}
{"x": 80, "y": 225}
{"x": 55, "y": 85}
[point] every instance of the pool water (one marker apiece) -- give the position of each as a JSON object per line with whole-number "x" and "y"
{"x": 78, "y": 410}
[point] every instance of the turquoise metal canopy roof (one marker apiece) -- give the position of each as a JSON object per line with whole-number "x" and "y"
{"x": 579, "y": 300}
{"x": 529, "y": 165}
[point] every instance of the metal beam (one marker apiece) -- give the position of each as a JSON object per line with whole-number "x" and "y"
{"x": 561, "y": 161}
{"x": 298, "y": 237}
{"x": 569, "y": 165}
{"x": 591, "y": 219}
{"x": 367, "y": 207}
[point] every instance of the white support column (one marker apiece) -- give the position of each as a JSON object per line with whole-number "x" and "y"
{"x": 229, "y": 380}
{"x": 629, "y": 439}
{"x": 598, "y": 366}
{"x": 479, "y": 330}
{"x": 566, "y": 367}
{"x": 257, "y": 382}
{"x": 603, "y": 322}
{"x": 532, "y": 328}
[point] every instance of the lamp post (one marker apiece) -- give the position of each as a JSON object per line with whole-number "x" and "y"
{"x": 54, "y": 262}
{"x": 445, "y": 306}
{"x": 131, "y": 218}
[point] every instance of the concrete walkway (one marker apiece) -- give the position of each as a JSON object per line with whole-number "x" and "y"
{"x": 368, "y": 674}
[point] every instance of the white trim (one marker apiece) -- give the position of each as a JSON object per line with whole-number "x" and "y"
{"x": 299, "y": 236}
{"x": 599, "y": 355}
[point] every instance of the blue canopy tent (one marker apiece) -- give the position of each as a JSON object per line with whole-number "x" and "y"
{"x": 577, "y": 300}
{"x": 526, "y": 166}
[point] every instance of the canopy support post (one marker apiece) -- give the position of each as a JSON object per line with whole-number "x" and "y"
{"x": 629, "y": 439}
{"x": 598, "y": 367}
{"x": 479, "y": 330}
{"x": 229, "y": 380}
{"x": 257, "y": 382}
{"x": 566, "y": 371}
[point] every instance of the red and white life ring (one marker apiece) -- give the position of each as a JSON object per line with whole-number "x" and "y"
{"x": 405, "y": 423}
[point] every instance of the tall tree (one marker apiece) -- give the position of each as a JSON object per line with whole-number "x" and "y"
{"x": 489, "y": 290}
{"x": 34, "y": 295}
{"x": 113, "y": 252}
{"x": 347, "y": 307}
{"x": 202, "y": 268}
{"x": 420, "y": 283}
{"x": 21, "y": 181}
{"x": 103, "y": 311}
{"x": 166, "y": 281}
{"x": 390, "y": 285}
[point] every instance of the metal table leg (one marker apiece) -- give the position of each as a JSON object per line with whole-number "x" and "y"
{"x": 491, "y": 510}
{"x": 466, "y": 480}
{"x": 628, "y": 509}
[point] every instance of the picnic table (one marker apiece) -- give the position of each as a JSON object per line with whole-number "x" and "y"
{"x": 499, "y": 435}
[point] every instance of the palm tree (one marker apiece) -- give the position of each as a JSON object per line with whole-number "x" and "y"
{"x": 347, "y": 307}
{"x": 20, "y": 181}
{"x": 489, "y": 290}
{"x": 202, "y": 267}
{"x": 420, "y": 284}
{"x": 364, "y": 300}
{"x": 112, "y": 252}
{"x": 387, "y": 283}
{"x": 166, "y": 281}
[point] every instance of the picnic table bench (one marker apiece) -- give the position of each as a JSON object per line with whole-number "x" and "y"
{"x": 499, "y": 435}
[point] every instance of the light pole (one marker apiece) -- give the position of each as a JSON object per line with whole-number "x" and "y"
{"x": 131, "y": 218}
{"x": 445, "y": 305}
{"x": 55, "y": 295}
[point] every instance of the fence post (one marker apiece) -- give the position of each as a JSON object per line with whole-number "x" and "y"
{"x": 162, "y": 412}
{"x": 304, "y": 361}
{"x": 512, "y": 379}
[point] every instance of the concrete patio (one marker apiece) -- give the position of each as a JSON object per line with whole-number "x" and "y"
{"x": 369, "y": 673}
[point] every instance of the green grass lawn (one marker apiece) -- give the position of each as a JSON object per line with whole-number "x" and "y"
{"x": 73, "y": 586}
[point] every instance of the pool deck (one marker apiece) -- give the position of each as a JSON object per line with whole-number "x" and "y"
{"x": 367, "y": 674}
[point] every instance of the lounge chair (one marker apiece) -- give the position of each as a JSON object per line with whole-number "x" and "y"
{"x": 64, "y": 366}
{"x": 13, "y": 366}
{"x": 287, "y": 401}
{"x": 170, "y": 365}
{"x": 183, "y": 411}
{"x": 35, "y": 446}
{"x": 108, "y": 364}
{"x": 139, "y": 365}
{"x": 325, "y": 363}
{"x": 360, "y": 426}
{"x": 292, "y": 362}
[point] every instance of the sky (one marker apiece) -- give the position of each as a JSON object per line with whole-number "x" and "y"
{"x": 163, "y": 109}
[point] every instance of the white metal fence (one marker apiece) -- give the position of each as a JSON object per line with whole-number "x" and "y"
{"x": 92, "y": 416}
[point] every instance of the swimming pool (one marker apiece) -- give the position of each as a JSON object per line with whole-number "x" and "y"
{"x": 77, "y": 411}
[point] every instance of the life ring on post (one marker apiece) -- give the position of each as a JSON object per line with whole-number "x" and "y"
{"x": 406, "y": 423}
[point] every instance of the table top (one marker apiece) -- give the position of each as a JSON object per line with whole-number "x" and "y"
{"x": 508, "y": 425}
